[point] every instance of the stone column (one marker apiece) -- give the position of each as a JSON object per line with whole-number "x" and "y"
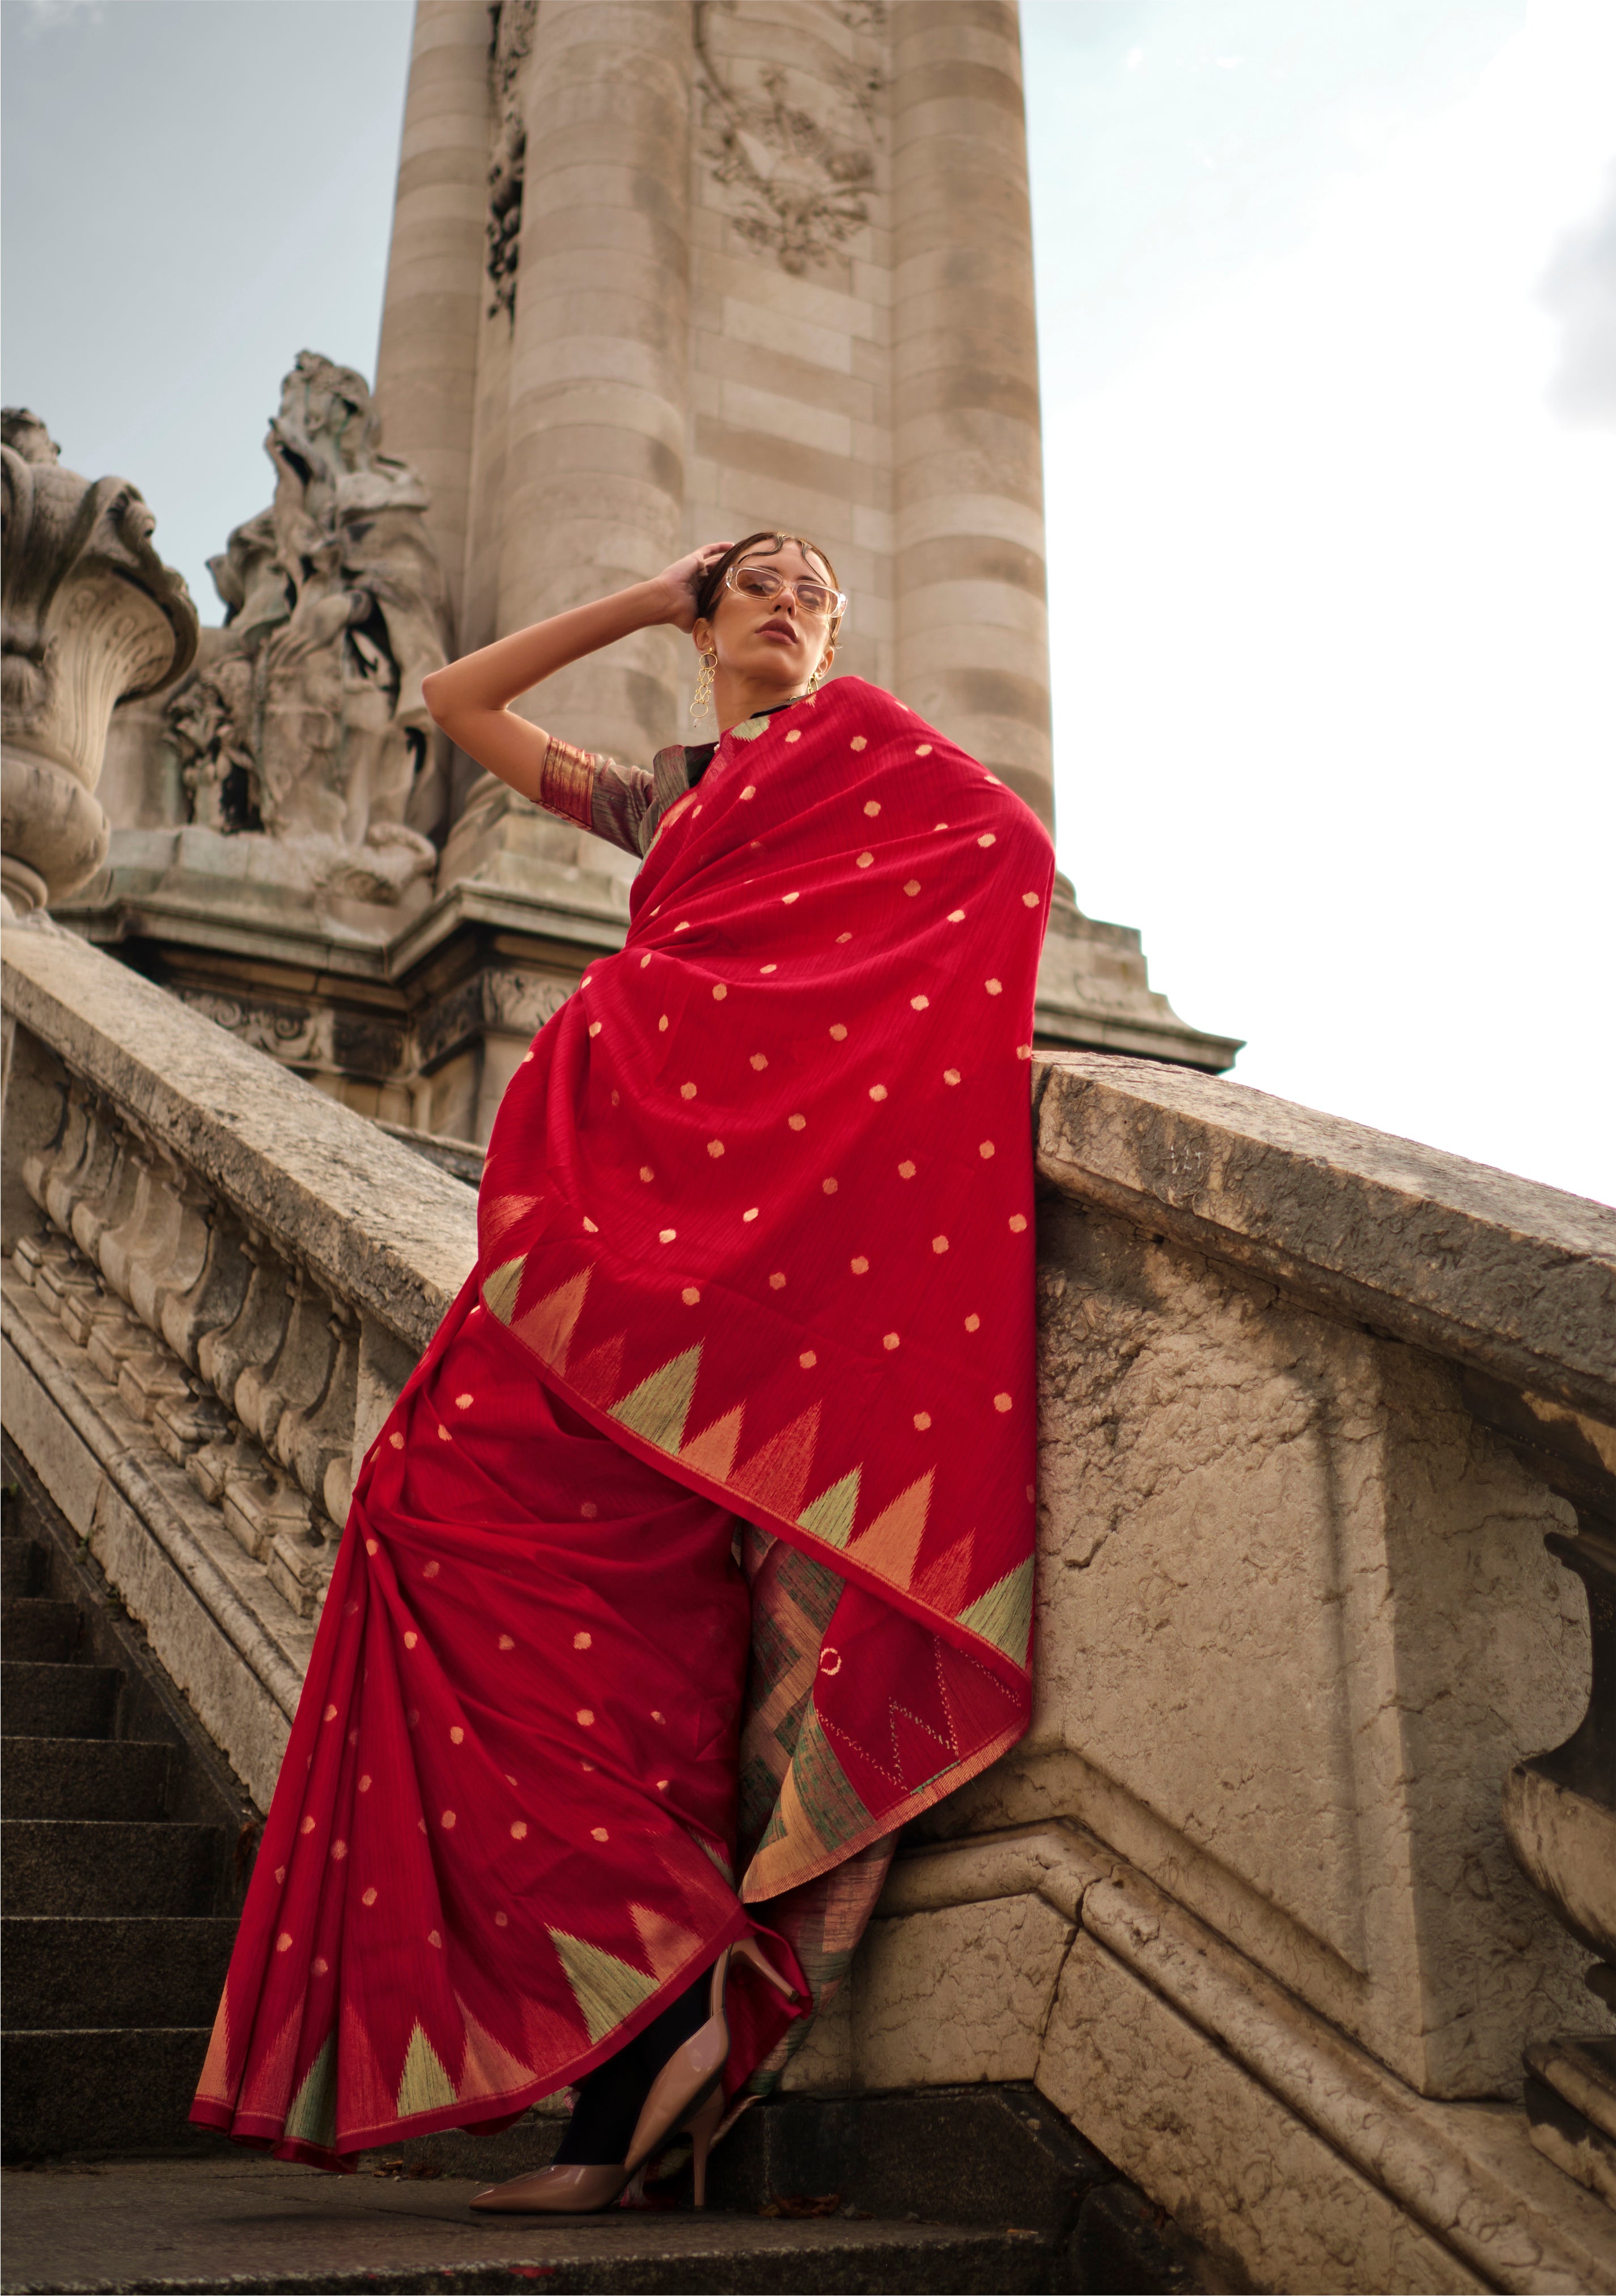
{"x": 972, "y": 631}
{"x": 91, "y": 617}
{"x": 426, "y": 366}
{"x": 595, "y": 474}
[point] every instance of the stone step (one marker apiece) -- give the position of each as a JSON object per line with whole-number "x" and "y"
{"x": 84, "y": 1777}
{"x": 102, "y": 2090}
{"x": 248, "y": 2225}
{"x": 21, "y": 1566}
{"x": 35, "y": 1628}
{"x": 42, "y": 1701}
{"x": 77, "y": 1865}
{"x": 139, "y": 1971}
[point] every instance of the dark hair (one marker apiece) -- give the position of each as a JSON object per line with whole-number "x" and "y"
{"x": 766, "y": 544}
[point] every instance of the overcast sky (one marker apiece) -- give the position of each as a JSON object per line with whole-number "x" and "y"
{"x": 1327, "y": 294}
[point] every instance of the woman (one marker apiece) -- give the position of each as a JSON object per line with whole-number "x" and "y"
{"x": 695, "y": 1557}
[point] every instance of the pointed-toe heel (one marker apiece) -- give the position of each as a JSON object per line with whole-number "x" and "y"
{"x": 687, "y": 2093}
{"x": 576, "y": 2190}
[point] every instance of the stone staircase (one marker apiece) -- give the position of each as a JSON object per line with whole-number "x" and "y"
{"x": 128, "y": 1843}
{"x": 120, "y": 1837}
{"x": 983, "y": 2188}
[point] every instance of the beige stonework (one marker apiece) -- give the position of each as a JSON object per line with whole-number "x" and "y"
{"x": 1242, "y": 1905}
{"x": 1284, "y": 2149}
{"x": 88, "y": 614}
{"x": 1287, "y": 1543}
{"x": 774, "y": 267}
{"x": 1227, "y": 2161}
{"x": 744, "y": 264}
{"x": 958, "y": 1995}
{"x": 427, "y": 372}
{"x": 661, "y": 271}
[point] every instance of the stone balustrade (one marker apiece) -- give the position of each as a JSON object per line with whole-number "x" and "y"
{"x": 1242, "y": 1904}
{"x": 224, "y": 1278}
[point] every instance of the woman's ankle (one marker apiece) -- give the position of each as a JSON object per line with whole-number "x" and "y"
{"x": 610, "y": 2098}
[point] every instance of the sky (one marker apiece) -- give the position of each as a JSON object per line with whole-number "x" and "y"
{"x": 1327, "y": 312}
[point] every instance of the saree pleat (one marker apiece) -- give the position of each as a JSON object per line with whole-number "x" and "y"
{"x": 504, "y": 1830}
{"x": 695, "y": 1557}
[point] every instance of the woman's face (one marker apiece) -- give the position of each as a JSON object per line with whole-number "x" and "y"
{"x": 769, "y": 640}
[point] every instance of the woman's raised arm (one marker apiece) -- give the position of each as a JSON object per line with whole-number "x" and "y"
{"x": 471, "y": 699}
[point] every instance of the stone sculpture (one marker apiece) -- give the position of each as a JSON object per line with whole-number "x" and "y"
{"x": 799, "y": 164}
{"x": 91, "y": 617}
{"x": 511, "y": 40}
{"x": 306, "y": 722}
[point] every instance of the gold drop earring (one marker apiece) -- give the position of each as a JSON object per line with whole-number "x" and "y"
{"x": 700, "y": 700}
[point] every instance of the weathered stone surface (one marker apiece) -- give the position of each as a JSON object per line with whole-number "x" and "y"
{"x": 90, "y": 614}
{"x": 1210, "y": 2078}
{"x": 1563, "y": 1840}
{"x": 1560, "y": 1815}
{"x": 234, "y": 1649}
{"x": 120, "y": 1971}
{"x": 306, "y": 723}
{"x": 379, "y": 1227}
{"x": 1297, "y": 1622}
{"x": 415, "y": 1019}
{"x": 957, "y": 1994}
{"x": 1470, "y": 1262}
{"x": 1288, "y": 1544}
{"x": 977, "y": 2154}
{"x": 657, "y": 278}
{"x": 202, "y": 1430}
{"x": 162, "y": 2224}
{"x": 1220, "y": 2154}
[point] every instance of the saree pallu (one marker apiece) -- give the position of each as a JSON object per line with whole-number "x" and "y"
{"x": 696, "y": 1556}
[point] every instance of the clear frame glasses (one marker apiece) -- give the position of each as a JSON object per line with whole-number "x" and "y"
{"x": 817, "y": 600}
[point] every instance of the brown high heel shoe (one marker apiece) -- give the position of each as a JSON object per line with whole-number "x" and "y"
{"x": 686, "y": 2093}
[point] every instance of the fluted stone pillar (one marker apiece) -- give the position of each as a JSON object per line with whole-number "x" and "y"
{"x": 972, "y": 636}
{"x": 426, "y": 367}
{"x": 595, "y": 469}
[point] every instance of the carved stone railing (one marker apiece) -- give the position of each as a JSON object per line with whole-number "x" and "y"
{"x": 1242, "y": 1904}
{"x": 232, "y": 1273}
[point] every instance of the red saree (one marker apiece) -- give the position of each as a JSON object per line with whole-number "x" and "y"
{"x": 755, "y": 1242}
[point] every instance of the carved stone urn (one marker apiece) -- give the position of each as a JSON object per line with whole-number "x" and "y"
{"x": 91, "y": 617}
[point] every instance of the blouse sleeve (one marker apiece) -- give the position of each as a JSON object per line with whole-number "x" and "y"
{"x": 596, "y": 793}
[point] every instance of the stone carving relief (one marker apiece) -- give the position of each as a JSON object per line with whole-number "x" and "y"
{"x": 513, "y": 1002}
{"x": 91, "y": 616}
{"x": 338, "y": 1043}
{"x": 299, "y": 1039}
{"x": 306, "y": 723}
{"x": 511, "y": 37}
{"x": 794, "y": 148}
{"x": 242, "y": 1366}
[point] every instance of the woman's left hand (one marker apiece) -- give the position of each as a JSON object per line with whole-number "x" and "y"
{"x": 683, "y": 580}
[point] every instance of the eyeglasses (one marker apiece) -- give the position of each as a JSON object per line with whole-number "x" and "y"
{"x": 817, "y": 600}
